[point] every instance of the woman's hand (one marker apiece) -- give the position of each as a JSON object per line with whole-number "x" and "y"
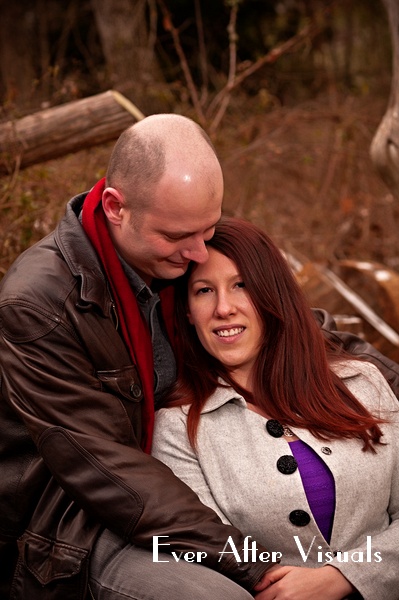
{"x": 300, "y": 583}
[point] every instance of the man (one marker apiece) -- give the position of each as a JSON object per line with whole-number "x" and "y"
{"x": 85, "y": 346}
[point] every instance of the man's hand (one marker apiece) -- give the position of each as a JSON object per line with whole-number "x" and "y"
{"x": 299, "y": 583}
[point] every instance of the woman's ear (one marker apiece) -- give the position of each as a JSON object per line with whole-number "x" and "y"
{"x": 113, "y": 203}
{"x": 189, "y": 317}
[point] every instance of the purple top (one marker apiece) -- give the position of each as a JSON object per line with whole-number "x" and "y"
{"x": 319, "y": 486}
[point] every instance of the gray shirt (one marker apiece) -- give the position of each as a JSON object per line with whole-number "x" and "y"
{"x": 150, "y": 306}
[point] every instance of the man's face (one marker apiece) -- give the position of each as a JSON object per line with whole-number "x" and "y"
{"x": 161, "y": 242}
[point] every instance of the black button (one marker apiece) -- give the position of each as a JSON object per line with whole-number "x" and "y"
{"x": 299, "y": 518}
{"x": 274, "y": 428}
{"x": 326, "y": 450}
{"x": 287, "y": 464}
{"x": 135, "y": 390}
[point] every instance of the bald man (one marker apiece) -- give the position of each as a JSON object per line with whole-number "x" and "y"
{"x": 86, "y": 346}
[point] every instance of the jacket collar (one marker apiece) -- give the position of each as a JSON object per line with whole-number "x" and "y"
{"x": 81, "y": 257}
{"x": 222, "y": 395}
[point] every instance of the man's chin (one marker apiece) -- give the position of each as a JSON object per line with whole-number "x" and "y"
{"x": 174, "y": 270}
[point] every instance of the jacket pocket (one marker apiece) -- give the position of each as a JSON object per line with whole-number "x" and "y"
{"x": 126, "y": 385}
{"x": 123, "y": 382}
{"x": 49, "y": 570}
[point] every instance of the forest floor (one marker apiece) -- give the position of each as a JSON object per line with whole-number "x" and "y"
{"x": 303, "y": 173}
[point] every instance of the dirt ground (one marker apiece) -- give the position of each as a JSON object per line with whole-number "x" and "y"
{"x": 303, "y": 173}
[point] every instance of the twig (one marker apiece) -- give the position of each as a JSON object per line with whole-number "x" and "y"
{"x": 127, "y": 105}
{"x": 168, "y": 25}
{"x": 10, "y": 186}
{"x": 306, "y": 32}
{"x": 202, "y": 52}
{"x": 152, "y": 35}
{"x": 225, "y": 100}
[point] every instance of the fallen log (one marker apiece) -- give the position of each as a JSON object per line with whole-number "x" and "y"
{"x": 57, "y": 131}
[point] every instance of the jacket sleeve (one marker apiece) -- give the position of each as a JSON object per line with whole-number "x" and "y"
{"x": 373, "y": 566}
{"x": 80, "y": 425}
{"x": 359, "y": 348}
{"x": 171, "y": 446}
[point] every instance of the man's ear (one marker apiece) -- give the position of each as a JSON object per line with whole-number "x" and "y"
{"x": 113, "y": 203}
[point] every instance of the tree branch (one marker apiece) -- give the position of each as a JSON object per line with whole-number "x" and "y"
{"x": 225, "y": 99}
{"x": 168, "y": 25}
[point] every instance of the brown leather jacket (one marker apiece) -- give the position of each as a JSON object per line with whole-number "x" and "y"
{"x": 70, "y": 430}
{"x": 70, "y": 422}
{"x": 355, "y": 346}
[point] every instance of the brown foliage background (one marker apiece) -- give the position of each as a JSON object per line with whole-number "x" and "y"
{"x": 303, "y": 173}
{"x": 293, "y": 137}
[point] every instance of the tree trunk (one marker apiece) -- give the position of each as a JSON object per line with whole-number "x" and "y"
{"x": 128, "y": 44}
{"x": 17, "y": 52}
{"x": 63, "y": 129}
{"x": 385, "y": 145}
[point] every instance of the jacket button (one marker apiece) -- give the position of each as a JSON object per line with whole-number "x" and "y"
{"x": 274, "y": 428}
{"x": 135, "y": 390}
{"x": 287, "y": 464}
{"x": 299, "y": 518}
{"x": 326, "y": 450}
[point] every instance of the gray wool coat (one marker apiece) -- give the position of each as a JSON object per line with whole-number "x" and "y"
{"x": 233, "y": 470}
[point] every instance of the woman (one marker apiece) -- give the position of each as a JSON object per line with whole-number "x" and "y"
{"x": 296, "y": 446}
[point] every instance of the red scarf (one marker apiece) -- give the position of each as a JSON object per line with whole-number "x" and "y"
{"x": 134, "y": 328}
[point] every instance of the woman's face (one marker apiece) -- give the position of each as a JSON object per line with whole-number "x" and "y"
{"x": 227, "y": 324}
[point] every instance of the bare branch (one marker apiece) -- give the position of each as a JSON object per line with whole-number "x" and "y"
{"x": 225, "y": 100}
{"x": 307, "y": 32}
{"x": 152, "y": 34}
{"x": 11, "y": 184}
{"x": 202, "y": 52}
{"x": 303, "y": 36}
{"x": 168, "y": 25}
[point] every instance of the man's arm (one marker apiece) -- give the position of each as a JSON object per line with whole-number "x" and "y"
{"x": 359, "y": 348}
{"x": 81, "y": 427}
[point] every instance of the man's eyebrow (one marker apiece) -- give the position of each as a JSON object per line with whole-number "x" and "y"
{"x": 176, "y": 233}
{"x": 186, "y": 233}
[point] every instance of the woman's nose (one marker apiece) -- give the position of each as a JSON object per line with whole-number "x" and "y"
{"x": 224, "y": 306}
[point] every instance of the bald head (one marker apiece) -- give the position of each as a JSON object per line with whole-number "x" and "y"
{"x": 159, "y": 144}
{"x": 163, "y": 196}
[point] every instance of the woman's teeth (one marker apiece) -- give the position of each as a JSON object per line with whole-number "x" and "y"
{"x": 229, "y": 332}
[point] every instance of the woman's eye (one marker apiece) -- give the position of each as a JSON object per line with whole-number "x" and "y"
{"x": 203, "y": 290}
{"x": 240, "y": 284}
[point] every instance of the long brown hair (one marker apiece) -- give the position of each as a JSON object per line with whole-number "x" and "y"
{"x": 293, "y": 381}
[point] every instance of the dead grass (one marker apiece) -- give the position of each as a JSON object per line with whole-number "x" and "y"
{"x": 304, "y": 174}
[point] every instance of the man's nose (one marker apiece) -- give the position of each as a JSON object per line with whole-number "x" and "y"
{"x": 197, "y": 251}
